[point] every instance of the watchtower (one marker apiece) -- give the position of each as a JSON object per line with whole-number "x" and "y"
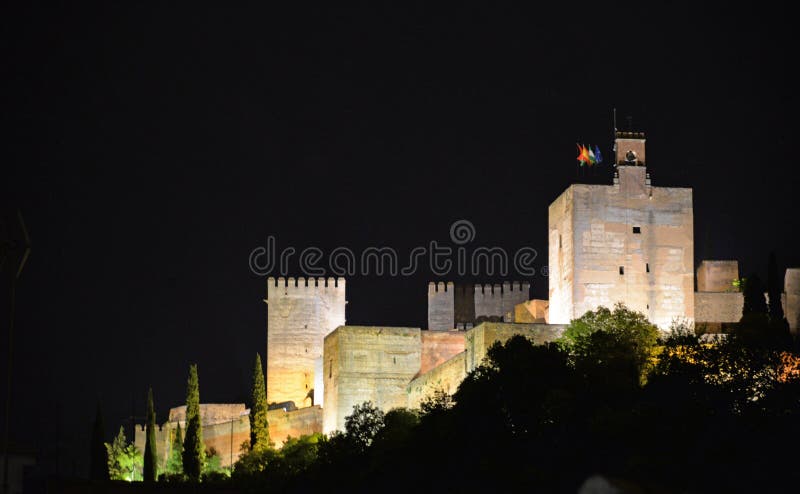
{"x": 300, "y": 313}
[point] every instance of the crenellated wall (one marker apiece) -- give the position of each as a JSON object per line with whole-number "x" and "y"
{"x": 441, "y": 306}
{"x": 300, "y": 313}
{"x": 499, "y": 299}
{"x": 462, "y": 306}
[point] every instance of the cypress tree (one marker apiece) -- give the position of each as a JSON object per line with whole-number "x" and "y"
{"x": 174, "y": 462}
{"x": 150, "y": 472}
{"x": 754, "y": 301}
{"x": 193, "y": 450}
{"x": 259, "y": 427}
{"x": 98, "y": 469}
{"x": 774, "y": 289}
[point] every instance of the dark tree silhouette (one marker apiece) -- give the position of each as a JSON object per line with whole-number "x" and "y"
{"x": 259, "y": 427}
{"x": 193, "y": 448}
{"x": 98, "y": 469}
{"x": 150, "y": 471}
{"x": 774, "y": 289}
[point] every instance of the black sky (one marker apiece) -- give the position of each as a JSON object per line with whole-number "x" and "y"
{"x": 151, "y": 148}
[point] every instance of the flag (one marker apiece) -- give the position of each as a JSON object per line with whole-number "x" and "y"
{"x": 592, "y": 159}
{"x": 583, "y": 155}
{"x": 597, "y": 155}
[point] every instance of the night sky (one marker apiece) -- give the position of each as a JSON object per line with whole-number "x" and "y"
{"x": 151, "y": 149}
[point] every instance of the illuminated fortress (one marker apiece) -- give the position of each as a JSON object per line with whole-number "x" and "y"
{"x": 629, "y": 242}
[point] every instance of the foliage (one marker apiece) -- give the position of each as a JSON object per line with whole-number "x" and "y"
{"x": 150, "y": 471}
{"x": 436, "y": 402}
{"x": 363, "y": 424}
{"x": 98, "y": 469}
{"x": 710, "y": 417}
{"x": 259, "y": 427}
{"x": 275, "y": 469}
{"x": 193, "y": 449}
{"x": 213, "y": 464}
{"x": 621, "y": 341}
{"x": 174, "y": 460}
{"x": 124, "y": 460}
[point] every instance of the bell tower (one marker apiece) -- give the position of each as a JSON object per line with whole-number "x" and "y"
{"x": 629, "y": 149}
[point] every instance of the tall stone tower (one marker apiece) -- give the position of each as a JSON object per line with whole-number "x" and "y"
{"x": 300, "y": 313}
{"x": 627, "y": 242}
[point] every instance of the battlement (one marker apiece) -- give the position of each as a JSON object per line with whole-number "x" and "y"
{"x": 302, "y": 282}
{"x": 457, "y": 306}
{"x": 440, "y": 286}
{"x": 300, "y": 312}
{"x": 505, "y": 287}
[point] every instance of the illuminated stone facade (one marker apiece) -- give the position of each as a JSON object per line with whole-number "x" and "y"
{"x": 627, "y": 242}
{"x": 462, "y": 306}
{"x": 300, "y": 313}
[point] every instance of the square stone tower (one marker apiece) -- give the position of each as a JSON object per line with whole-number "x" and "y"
{"x": 301, "y": 312}
{"x": 627, "y": 242}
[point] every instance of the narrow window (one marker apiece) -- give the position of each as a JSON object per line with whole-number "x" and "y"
{"x": 637, "y": 229}
{"x": 647, "y": 267}
{"x": 330, "y": 369}
{"x": 559, "y": 240}
{"x": 622, "y": 270}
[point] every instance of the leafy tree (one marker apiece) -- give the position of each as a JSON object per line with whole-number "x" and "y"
{"x": 150, "y": 452}
{"x": 193, "y": 449}
{"x": 174, "y": 461}
{"x": 398, "y": 424}
{"x": 438, "y": 401}
{"x": 362, "y": 425}
{"x": 98, "y": 469}
{"x": 124, "y": 460}
{"x": 259, "y": 427}
{"x": 622, "y": 341}
{"x": 212, "y": 463}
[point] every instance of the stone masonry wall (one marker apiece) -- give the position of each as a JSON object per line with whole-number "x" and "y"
{"x": 449, "y": 375}
{"x": 630, "y": 242}
{"x": 295, "y": 423}
{"x": 438, "y": 347}
{"x": 441, "y": 306}
{"x": 499, "y": 299}
{"x": 367, "y": 363}
{"x": 483, "y": 336}
{"x": 717, "y": 307}
{"x": 561, "y": 245}
{"x": 717, "y": 276}
{"x": 446, "y": 377}
{"x": 300, "y": 313}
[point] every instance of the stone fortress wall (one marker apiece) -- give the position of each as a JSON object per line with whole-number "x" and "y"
{"x": 226, "y": 426}
{"x": 462, "y": 306}
{"x": 718, "y": 301}
{"x": 300, "y": 313}
{"x": 627, "y": 242}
